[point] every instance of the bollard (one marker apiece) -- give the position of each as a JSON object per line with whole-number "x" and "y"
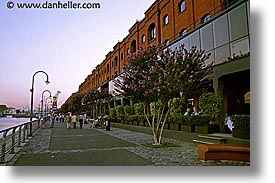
{"x": 108, "y": 125}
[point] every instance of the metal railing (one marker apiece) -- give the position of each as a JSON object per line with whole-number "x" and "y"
{"x": 13, "y": 137}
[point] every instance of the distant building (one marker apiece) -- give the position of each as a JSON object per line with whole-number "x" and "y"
{"x": 10, "y": 111}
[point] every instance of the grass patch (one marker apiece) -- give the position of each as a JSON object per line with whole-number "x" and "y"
{"x": 163, "y": 145}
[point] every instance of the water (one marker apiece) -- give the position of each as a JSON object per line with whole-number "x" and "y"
{"x": 7, "y": 122}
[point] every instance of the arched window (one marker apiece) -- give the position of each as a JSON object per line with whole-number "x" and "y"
{"x": 205, "y": 18}
{"x": 183, "y": 32}
{"x": 166, "y": 42}
{"x": 116, "y": 62}
{"x": 152, "y": 32}
{"x": 143, "y": 39}
{"x": 165, "y": 20}
{"x": 134, "y": 46}
{"x": 108, "y": 68}
{"x": 181, "y": 6}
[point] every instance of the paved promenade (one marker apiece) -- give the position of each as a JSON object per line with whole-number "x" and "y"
{"x": 97, "y": 147}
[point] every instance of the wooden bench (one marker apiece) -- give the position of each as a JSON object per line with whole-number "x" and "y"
{"x": 224, "y": 152}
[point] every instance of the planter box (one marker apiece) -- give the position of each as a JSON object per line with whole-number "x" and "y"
{"x": 175, "y": 127}
{"x": 202, "y": 129}
{"x": 146, "y": 124}
{"x": 167, "y": 126}
{"x": 207, "y": 129}
{"x": 187, "y": 128}
{"x": 239, "y": 133}
{"x": 141, "y": 124}
{"x": 135, "y": 123}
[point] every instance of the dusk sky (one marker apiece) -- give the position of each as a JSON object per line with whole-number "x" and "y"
{"x": 66, "y": 44}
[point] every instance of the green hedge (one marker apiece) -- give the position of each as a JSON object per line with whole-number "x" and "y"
{"x": 200, "y": 120}
{"x": 127, "y": 110}
{"x": 112, "y": 112}
{"x": 197, "y": 120}
{"x": 241, "y": 122}
{"x": 119, "y": 111}
{"x": 139, "y": 108}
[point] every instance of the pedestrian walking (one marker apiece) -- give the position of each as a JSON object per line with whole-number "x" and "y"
{"x": 81, "y": 120}
{"x": 41, "y": 123}
{"x": 73, "y": 120}
{"x": 68, "y": 120}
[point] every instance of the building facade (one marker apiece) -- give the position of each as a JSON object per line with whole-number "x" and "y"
{"x": 220, "y": 27}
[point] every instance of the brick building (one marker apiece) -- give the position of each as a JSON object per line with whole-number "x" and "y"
{"x": 220, "y": 27}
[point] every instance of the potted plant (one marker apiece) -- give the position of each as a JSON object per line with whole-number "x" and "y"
{"x": 175, "y": 122}
{"x": 186, "y": 125}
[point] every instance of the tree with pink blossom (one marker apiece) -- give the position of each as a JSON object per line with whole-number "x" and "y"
{"x": 158, "y": 74}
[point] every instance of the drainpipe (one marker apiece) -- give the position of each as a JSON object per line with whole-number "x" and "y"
{"x": 193, "y": 14}
{"x": 159, "y": 27}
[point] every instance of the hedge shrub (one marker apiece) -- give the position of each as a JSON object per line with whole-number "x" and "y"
{"x": 241, "y": 122}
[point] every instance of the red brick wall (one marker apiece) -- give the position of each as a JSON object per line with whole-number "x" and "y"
{"x": 194, "y": 11}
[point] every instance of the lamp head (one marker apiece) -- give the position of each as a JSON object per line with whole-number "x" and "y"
{"x": 47, "y": 82}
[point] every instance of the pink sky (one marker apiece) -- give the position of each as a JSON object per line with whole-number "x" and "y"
{"x": 67, "y": 44}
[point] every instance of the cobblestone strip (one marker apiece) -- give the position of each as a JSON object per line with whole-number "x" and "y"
{"x": 185, "y": 155}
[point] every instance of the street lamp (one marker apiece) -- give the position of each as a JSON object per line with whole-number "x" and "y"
{"x": 43, "y": 99}
{"x": 32, "y": 91}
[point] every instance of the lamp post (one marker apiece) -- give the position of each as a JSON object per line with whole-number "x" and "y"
{"x": 32, "y": 91}
{"x": 45, "y": 102}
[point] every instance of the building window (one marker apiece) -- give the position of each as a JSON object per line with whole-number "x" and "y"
{"x": 181, "y": 6}
{"x": 183, "y": 32}
{"x": 165, "y": 20}
{"x": 143, "y": 39}
{"x": 128, "y": 51}
{"x": 133, "y": 46}
{"x": 116, "y": 62}
{"x": 152, "y": 32}
{"x": 166, "y": 42}
{"x": 205, "y": 18}
{"x": 121, "y": 56}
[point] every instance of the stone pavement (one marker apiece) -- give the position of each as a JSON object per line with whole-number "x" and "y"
{"x": 97, "y": 147}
